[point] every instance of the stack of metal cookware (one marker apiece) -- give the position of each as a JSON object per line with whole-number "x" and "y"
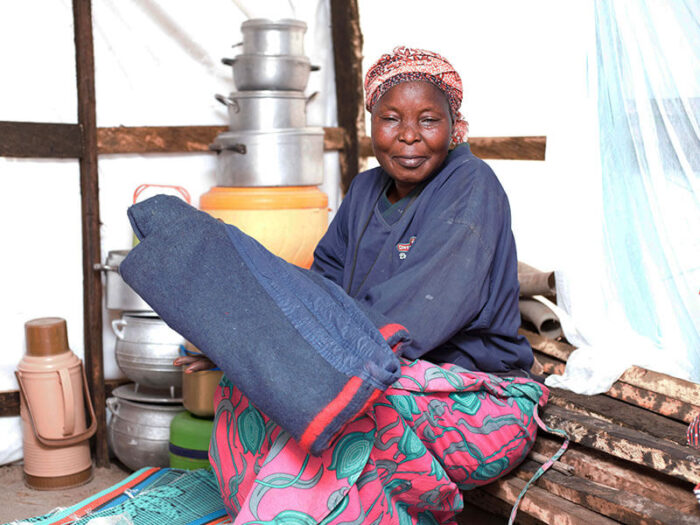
{"x": 268, "y": 142}
{"x": 141, "y": 411}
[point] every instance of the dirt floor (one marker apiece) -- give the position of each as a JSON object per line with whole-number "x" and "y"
{"x": 18, "y": 501}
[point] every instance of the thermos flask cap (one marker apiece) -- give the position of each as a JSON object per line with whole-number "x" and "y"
{"x": 46, "y": 336}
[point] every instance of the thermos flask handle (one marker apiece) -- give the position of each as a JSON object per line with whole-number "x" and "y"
{"x": 68, "y": 404}
{"x": 68, "y": 440}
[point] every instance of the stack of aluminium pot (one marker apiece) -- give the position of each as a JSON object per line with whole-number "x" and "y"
{"x": 141, "y": 411}
{"x": 270, "y": 163}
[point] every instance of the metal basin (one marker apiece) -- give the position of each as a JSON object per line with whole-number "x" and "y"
{"x": 284, "y": 157}
{"x": 145, "y": 350}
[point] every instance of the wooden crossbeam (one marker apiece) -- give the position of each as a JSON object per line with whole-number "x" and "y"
{"x": 506, "y": 148}
{"x": 50, "y": 140}
{"x": 40, "y": 140}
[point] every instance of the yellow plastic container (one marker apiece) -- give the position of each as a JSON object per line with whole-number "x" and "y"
{"x": 289, "y": 220}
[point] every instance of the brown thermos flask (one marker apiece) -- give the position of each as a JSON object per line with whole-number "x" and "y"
{"x": 53, "y": 396}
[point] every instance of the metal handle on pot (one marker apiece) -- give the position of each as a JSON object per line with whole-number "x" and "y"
{"x": 113, "y": 405}
{"x": 118, "y": 328}
{"x": 229, "y": 102}
{"x": 228, "y": 61}
{"x": 315, "y": 68}
{"x": 98, "y": 267}
{"x": 311, "y": 97}
{"x": 236, "y": 148}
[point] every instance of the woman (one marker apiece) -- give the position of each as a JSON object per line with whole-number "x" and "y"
{"x": 423, "y": 240}
{"x": 378, "y": 385}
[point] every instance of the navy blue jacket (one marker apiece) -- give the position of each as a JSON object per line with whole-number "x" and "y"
{"x": 446, "y": 270}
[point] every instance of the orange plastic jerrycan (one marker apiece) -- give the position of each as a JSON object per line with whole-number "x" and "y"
{"x": 53, "y": 396}
{"x": 288, "y": 220}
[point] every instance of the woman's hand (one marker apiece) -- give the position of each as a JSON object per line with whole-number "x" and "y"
{"x": 194, "y": 363}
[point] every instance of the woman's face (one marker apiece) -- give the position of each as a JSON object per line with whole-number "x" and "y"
{"x": 411, "y": 130}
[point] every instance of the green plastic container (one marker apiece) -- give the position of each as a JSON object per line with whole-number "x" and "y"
{"x": 189, "y": 441}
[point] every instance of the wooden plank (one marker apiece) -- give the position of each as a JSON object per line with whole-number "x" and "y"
{"x": 347, "y": 57}
{"x": 179, "y": 139}
{"x": 611, "y": 471}
{"x": 9, "y": 403}
{"x": 555, "y": 349}
{"x": 550, "y": 365}
{"x": 673, "y": 387}
{"x": 156, "y": 139}
{"x": 620, "y": 413}
{"x": 542, "y": 505}
{"x": 40, "y": 140}
{"x": 680, "y": 389}
{"x": 620, "y": 505}
{"x": 504, "y": 148}
{"x": 90, "y": 214}
{"x": 483, "y": 500}
{"x": 658, "y": 403}
{"x": 632, "y": 445}
{"x": 660, "y": 393}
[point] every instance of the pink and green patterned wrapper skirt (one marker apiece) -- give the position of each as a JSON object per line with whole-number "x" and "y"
{"x": 436, "y": 431}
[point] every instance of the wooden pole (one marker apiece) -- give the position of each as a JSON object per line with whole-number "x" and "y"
{"x": 90, "y": 207}
{"x": 347, "y": 56}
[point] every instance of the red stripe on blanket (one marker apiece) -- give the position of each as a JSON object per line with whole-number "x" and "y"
{"x": 389, "y": 330}
{"x": 328, "y": 414}
{"x": 118, "y": 491}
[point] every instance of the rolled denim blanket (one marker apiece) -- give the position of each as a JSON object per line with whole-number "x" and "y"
{"x": 293, "y": 342}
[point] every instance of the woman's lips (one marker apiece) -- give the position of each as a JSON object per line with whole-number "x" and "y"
{"x": 409, "y": 161}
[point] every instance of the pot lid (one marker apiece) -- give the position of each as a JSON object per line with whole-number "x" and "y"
{"x": 144, "y": 394}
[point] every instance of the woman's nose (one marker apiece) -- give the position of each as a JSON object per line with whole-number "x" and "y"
{"x": 408, "y": 133}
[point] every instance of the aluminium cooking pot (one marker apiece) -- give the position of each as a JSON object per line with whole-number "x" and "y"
{"x": 262, "y": 36}
{"x": 146, "y": 348}
{"x": 283, "y": 157}
{"x": 255, "y": 110}
{"x": 270, "y": 72}
{"x": 139, "y": 433}
{"x": 118, "y": 294}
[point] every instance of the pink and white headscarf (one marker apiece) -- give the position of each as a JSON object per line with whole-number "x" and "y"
{"x": 407, "y": 64}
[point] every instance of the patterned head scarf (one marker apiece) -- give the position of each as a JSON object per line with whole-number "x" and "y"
{"x": 407, "y": 64}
